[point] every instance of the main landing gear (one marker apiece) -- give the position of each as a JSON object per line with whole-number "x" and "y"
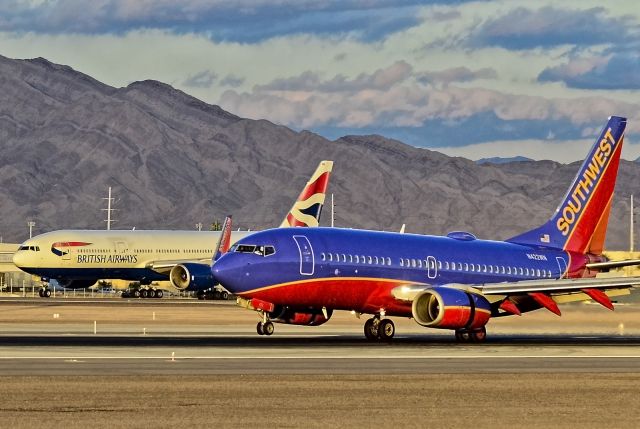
{"x": 471, "y": 335}
{"x": 45, "y": 292}
{"x": 376, "y": 329}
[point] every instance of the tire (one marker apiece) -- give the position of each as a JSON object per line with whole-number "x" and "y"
{"x": 369, "y": 330}
{"x": 47, "y": 293}
{"x": 151, "y": 293}
{"x": 268, "y": 328}
{"x": 225, "y": 295}
{"x": 479, "y": 336}
{"x": 216, "y": 295}
{"x": 159, "y": 294}
{"x": 144, "y": 293}
{"x": 136, "y": 293}
{"x": 259, "y": 328}
{"x": 40, "y": 293}
{"x": 386, "y": 329}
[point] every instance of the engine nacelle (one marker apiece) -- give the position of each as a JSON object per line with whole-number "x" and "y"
{"x": 76, "y": 284}
{"x": 191, "y": 276}
{"x": 448, "y": 308}
{"x": 307, "y": 317}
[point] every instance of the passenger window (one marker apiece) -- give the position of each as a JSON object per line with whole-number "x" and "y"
{"x": 466, "y": 266}
{"x": 538, "y": 272}
{"x": 388, "y": 261}
{"x": 330, "y": 257}
{"x": 459, "y": 266}
{"x": 472, "y": 268}
{"x": 357, "y": 259}
{"x": 323, "y": 256}
{"x": 401, "y": 262}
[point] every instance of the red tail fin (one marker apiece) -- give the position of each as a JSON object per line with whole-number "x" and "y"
{"x": 580, "y": 222}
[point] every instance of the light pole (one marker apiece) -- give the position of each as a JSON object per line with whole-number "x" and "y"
{"x": 31, "y": 224}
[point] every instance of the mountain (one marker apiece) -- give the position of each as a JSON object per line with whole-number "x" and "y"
{"x": 500, "y": 160}
{"x": 173, "y": 161}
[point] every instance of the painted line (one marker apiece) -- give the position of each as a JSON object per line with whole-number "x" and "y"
{"x": 347, "y": 357}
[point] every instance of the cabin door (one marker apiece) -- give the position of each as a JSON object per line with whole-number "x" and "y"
{"x": 66, "y": 253}
{"x": 562, "y": 264}
{"x": 306, "y": 255}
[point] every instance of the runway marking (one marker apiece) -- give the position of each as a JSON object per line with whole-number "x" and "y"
{"x": 347, "y": 357}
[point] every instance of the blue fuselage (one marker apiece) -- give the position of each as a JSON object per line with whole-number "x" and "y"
{"x": 347, "y": 269}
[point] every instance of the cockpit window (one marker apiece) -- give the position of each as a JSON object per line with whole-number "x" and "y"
{"x": 30, "y": 248}
{"x": 269, "y": 250}
{"x": 245, "y": 248}
{"x": 258, "y": 250}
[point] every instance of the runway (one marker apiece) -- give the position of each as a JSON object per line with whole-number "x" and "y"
{"x": 173, "y": 364}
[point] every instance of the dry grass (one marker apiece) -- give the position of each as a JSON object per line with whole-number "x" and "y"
{"x": 432, "y": 400}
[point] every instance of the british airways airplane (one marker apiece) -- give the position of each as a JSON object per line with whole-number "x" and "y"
{"x": 455, "y": 282}
{"x": 79, "y": 258}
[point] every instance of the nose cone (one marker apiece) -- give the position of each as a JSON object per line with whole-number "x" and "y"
{"x": 224, "y": 272}
{"x": 19, "y": 259}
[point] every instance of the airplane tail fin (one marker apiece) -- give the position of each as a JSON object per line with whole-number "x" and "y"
{"x": 579, "y": 224}
{"x": 224, "y": 242}
{"x": 307, "y": 208}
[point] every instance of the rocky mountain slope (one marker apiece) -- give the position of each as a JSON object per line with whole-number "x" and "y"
{"x": 173, "y": 161}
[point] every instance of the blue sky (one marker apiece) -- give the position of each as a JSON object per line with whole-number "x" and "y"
{"x": 475, "y": 79}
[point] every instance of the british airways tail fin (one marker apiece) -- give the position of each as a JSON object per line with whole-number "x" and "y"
{"x": 307, "y": 208}
{"x": 579, "y": 224}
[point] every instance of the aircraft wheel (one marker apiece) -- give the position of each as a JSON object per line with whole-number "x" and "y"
{"x": 463, "y": 336}
{"x": 40, "y": 293}
{"x": 225, "y": 295}
{"x": 260, "y": 328}
{"x": 159, "y": 294}
{"x": 216, "y": 295}
{"x": 151, "y": 293}
{"x": 370, "y": 330}
{"x": 46, "y": 293}
{"x": 136, "y": 293}
{"x": 144, "y": 293}
{"x": 268, "y": 328}
{"x": 478, "y": 336}
{"x": 386, "y": 329}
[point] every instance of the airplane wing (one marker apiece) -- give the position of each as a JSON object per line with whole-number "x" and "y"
{"x": 546, "y": 292}
{"x": 165, "y": 266}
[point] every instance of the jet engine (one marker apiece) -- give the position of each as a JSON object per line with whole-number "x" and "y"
{"x": 76, "y": 284}
{"x": 306, "y": 317}
{"x": 448, "y": 308}
{"x": 191, "y": 276}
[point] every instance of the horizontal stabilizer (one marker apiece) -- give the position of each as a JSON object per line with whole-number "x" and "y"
{"x": 607, "y": 265}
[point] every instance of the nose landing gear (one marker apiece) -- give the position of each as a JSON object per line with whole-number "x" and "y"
{"x": 265, "y": 326}
{"x": 376, "y": 329}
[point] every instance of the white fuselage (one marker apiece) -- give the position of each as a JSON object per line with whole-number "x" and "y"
{"x": 116, "y": 254}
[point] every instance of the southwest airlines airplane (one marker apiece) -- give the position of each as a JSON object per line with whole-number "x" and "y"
{"x": 79, "y": 258}
{"x": 455, "y": 282}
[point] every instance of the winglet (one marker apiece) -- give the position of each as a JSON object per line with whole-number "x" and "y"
{"x": 308, "y": 207}
{"x": 224, "y": 241}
